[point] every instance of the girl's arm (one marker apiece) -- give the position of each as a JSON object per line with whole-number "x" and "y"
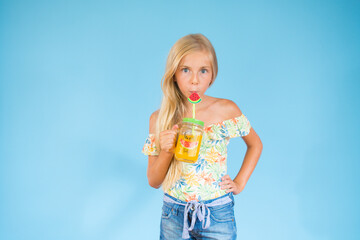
{"x": 157, "y": 168}
{"x": 253, "y": 152}
{"x": 159, "y": 165}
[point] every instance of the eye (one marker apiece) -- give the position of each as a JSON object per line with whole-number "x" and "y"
{"x": 185, "y": 70}
{"x": 204, "y": 70}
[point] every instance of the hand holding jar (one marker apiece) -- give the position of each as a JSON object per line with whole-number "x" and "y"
{"x": 168, "y": 139}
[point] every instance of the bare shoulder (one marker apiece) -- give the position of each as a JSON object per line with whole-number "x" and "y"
{"x": 153, "y": 119}
{"x": 227, "y": 108}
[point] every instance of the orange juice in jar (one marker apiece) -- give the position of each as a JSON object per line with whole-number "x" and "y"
{"x": 189, "y": 140}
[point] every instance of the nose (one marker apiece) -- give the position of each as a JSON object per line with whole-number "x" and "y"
{"x": 194, "y": 79}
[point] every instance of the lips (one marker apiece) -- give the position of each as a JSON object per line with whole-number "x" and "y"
{"x": 192, "y": 92}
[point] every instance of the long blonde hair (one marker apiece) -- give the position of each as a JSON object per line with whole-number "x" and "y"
{"x": 173, "y": 105}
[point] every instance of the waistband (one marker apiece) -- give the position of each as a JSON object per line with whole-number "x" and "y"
{"x": 199, "y": 210}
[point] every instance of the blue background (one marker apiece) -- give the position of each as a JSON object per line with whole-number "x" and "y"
{"x": 79, "y": 80}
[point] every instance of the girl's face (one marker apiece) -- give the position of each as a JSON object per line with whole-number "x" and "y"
{"x": 194, "y": 73}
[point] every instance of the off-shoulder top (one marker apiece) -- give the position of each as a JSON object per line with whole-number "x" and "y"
{"x": 200, "y": 181}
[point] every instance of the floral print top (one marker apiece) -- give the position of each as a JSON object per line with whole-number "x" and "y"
{"x": 200, "y": 181}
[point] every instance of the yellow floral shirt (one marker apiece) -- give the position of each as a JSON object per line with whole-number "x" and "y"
{"x": 200, "y": 181}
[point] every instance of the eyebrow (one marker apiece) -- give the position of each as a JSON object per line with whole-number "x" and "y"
{"x": 190, "y": 67}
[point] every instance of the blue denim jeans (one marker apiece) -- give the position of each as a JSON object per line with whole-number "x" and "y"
{"x": 211, "y": 219}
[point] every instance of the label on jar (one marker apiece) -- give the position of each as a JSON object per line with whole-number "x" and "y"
{"x": 188, "y": 141}
{"x": 187, "y": 148}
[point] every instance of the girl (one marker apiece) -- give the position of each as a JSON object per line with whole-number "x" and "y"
{"x": 198, "y": 197}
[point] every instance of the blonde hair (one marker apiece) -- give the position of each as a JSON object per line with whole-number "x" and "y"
{"x": 173, "y": 105}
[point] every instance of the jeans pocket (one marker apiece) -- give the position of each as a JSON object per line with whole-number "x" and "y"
{"x": 223, "y": 214}
{"x": 166, "y": 211}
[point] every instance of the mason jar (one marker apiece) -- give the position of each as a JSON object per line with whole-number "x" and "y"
{"x": 189, "y": 140}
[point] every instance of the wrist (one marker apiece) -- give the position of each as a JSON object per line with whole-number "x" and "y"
{"x": 241, "y": 183}
{"x": 166, "y": 154}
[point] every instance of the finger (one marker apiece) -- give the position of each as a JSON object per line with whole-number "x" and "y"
{"x": 168, "y": 142}
{"x": 170, "y": 136}
{"x": 168, "y": 133}
{"x": 169, "y": 145}
{"x": 226, "y": 186}
{"x": 225, "y": 182}
{"x": 175, "y": 127}
{"x": 228, "y": 189}
{"x": 231, "y": 188}
{"x": 226, "y": 177}
{"x": 173, "y": 130}
{"x": 168, "y": 139}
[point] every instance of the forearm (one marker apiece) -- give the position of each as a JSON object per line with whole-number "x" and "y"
{"x": 157, "y": 171}
{"x": 250, "y": 160}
